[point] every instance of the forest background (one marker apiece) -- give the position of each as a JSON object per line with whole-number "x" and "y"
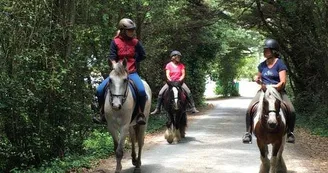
{"x": 49, "y": 48}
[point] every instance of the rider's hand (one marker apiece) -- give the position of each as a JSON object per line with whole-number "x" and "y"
{"x": 257, "y": 79}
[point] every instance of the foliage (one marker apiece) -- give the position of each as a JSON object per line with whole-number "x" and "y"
{"x": 300, "y": 28}
{"x": 49, "y": 48}
{"x": 97, "y": 145}
{"x": 312, "y": 114}
{"x": 156, "y": 123}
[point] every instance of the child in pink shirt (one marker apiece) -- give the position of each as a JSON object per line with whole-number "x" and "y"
{"x": 175, "y": 71}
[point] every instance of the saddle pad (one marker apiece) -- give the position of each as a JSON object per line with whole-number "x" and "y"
{"x": 133, "y": 90}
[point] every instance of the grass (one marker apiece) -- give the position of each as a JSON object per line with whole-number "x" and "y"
{"x": 98, "y": 145}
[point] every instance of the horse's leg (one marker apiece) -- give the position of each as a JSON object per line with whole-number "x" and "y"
{"x": 133, "y": 141}
{"x": 274, "y": 160}
{"x": 183, "y": 125}
{"x": 281, "y": 166}
{"x": 265, "y": 165}
{"x": 119, "y": 151}
{"x": 177, "y": 136}
{"x": 180, "y": 126}
{"x": 168, "y": 133}
{"x": 140, "y": 135}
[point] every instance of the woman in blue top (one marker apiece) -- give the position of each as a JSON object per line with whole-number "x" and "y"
{"x": 272, "y": 71}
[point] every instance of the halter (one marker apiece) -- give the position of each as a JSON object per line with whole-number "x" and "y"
{"x": 125, "y": 95}
{"x": 270, "y": 109}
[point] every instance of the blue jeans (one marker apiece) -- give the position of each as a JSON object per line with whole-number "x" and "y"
{"x": 141, "y": 95}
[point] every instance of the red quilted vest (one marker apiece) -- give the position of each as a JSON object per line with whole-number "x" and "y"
{"x": 126, "y": 49}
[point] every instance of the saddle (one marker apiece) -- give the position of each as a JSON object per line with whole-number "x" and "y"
{"x": 183, "y": 94}
{"x": 134, "y": 91}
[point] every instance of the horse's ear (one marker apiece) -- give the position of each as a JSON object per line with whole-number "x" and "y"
{"x": 124, "y": 62}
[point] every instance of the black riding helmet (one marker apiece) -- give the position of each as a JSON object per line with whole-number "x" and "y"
{"x": 271, "y": 44}
{"x": 175, "y": 52}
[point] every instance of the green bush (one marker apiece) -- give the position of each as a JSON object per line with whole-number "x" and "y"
{"x": 312, "y": 114}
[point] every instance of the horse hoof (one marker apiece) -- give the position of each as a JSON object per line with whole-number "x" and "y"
{"x": 134, "y": 162}
{"x": 169, "y": 140}
{"x": 137, "y": 170}
{"x": 167, "y": 134}
{"x": 177, "y": 140}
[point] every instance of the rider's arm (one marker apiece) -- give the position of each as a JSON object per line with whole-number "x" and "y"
{"x": 112, "y": 58}
{"x": 168, "y": 75}
{"x": 257, "y": 78}
{"x": 183, "y": 71}
{"x": 282, "y": 76}
{"x": 140, "y": 52}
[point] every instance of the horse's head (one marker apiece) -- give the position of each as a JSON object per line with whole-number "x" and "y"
{"x": 174, "y": 94}
{"x": 118, "y": 85}
{"x": 271, "y": 104}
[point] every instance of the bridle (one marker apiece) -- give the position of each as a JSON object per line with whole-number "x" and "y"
{"x": 124, "y": 96}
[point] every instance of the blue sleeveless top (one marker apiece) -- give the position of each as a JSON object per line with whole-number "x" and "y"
{"x": 270, "y": 76}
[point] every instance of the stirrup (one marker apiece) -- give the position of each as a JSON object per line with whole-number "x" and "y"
{"x": 247, "y": 138}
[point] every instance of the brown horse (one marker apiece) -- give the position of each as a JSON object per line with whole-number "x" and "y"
{"x": 175, "y": 103}
{"x": 270, "y": 128}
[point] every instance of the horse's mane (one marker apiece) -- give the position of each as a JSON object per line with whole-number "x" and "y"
{"x": 269, "y": 90}
{"x": 119, "y": 70}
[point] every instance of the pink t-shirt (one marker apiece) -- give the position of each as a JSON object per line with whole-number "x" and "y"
{"x": 175, "y": 70}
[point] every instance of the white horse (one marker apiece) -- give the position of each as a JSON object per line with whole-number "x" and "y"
{"x": 119, "y": 107}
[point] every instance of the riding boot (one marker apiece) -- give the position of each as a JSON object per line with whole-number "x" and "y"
{"x": 141, "y": 119}
{"x": 158, "y": 106}
{"x": 247, "y": 138}
{"x": 192, "y": 102}
{"x": 101, "y": 119}
{"x": 290, "y": 126}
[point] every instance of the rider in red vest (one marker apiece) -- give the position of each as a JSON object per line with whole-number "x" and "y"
{"x": 175, "y": 71}
{"x": 125, "y": 46}
{"x": 272, "y": 71}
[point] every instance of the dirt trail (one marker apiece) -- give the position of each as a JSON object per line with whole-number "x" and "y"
{"x": 213, "y": 145}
